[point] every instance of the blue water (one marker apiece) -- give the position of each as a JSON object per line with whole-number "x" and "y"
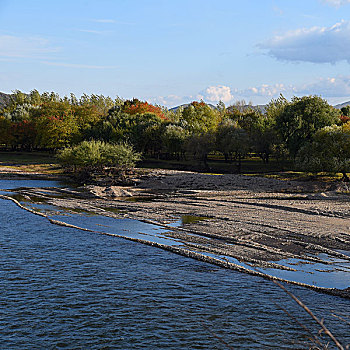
{"x": 62, "y": 288}
{"x": 336, "y": 275}
{"x": 11, "y": 184}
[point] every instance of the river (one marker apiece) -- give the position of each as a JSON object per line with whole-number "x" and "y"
{"x": 63, "y": 288}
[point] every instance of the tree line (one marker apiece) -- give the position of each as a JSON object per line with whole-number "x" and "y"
{"x": 305, "y": 129}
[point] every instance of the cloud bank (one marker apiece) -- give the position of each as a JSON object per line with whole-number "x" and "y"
{"x": 331, "y": 88}
{"x": 217, "y": 93}
{"x": 328, "y": 87}
{"x": 316, "y": 44}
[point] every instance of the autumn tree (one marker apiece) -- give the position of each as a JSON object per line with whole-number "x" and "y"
{"x": 136, "y": 106}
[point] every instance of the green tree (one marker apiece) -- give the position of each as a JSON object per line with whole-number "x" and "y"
{"x": 173, "y": 139}
{"x": 35, "y": 98}
{"x": 143, "y": 130}
{"x": 233, "y": 142}
{"x": 100, "y": 103}
{"x": 146, "y": 134}
{"x": 18, "y": 98}
{"x": 55, "y": 132}
{"x": 200, "y": 118}
{"x": 346, "y": 111}
{"x": 264, "y": 138}
{"x": 6, "y": 134}
{"x": 275, "y": 107}
{"x": 200, "y": 145}
{"x": 300, "y": 119}
{"x": 221, "y": 108}
{"x": 328, "y": 151}
{"x": 19, "y": 113}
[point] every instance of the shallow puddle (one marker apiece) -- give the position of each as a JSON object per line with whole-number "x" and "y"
{"x": 192, "y": 219}
{"x": 336, "y": 275}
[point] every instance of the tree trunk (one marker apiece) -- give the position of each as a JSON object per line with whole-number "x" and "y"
{"x": 345, "y": 177}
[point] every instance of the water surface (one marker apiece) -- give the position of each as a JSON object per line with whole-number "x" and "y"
{"x": 63, "y": 288}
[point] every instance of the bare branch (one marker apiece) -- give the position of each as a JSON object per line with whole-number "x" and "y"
{"x": 320, "y": 322}
{"x": 341, "y": 318}
{"x": 217, "y": 337}
{"x": 310, "y": 336}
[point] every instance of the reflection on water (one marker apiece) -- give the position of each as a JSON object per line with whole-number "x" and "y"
{"x": 11, "y": 184}
{"x": 65, "y": 288}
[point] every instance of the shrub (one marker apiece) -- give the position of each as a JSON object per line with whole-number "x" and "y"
{"x": 91, "y": 157}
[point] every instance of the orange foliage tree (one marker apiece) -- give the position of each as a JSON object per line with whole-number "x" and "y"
{"x": 136, "y": 106}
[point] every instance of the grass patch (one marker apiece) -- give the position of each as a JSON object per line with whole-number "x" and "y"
{"x": 218, "y": 165}
{"x": 46, "y": 163}
{"x": 33, "y": 162}
{"x": 304, "y": 176}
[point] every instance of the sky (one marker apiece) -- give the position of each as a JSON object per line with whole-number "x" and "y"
{"x": 171, "y": 52}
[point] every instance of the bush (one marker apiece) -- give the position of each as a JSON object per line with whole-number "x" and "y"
{"x": 90, "y": 157}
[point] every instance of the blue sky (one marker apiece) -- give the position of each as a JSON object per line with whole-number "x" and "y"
{"x": 175, "y": 51}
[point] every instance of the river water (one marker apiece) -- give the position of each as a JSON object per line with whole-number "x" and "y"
{"x": 62, "y": 288}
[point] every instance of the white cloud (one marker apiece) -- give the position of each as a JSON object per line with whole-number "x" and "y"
{"x": 334, "y": 89}
{"x": 99, "y": 32}
{"x": 337, "y": 3}
{"x": 217, "y": 93}
{"x": 78, "y": 65}
{"x": 328, "y": 87}
{"x": 25, "y": 47}
{"x": 266, "y": 90}
{"x": 169, "y": 100}
{"x": 103, "y": 20}
{"x": 331, "y": 88}
{"x": 316, "y": 44}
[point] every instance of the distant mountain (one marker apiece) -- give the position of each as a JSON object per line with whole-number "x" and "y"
{"x": 262, "y": 108}
{"x": 174, "y": 109}
{"x": 4, "y": 100}
{"x": 341, "y": 105}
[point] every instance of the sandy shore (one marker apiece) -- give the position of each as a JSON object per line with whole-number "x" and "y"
{"x": 267, "y": 219}
{"x": 255, "y": 220}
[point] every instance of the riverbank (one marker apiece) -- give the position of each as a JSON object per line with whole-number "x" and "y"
{"x": 90, "y": 289}
{"x": 255, "y": 222}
